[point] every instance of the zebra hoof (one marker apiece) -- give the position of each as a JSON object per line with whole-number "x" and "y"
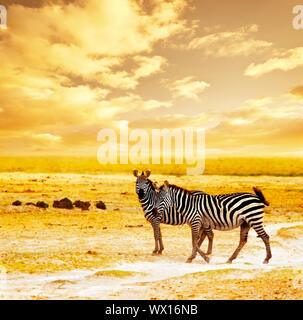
{"x": 229, "y": 261}
{"x": 207, "y": 259}
{"x": 189, "y": 260}
{"x": 156, "y": 253}
{"x": 265, "y": 261}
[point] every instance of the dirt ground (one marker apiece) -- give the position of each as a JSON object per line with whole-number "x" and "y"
{"x": 106, "y": 254}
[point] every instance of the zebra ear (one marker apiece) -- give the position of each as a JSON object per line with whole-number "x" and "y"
{"x": 155, "y": 185}
{"x": 166, "y": 185}
{"x": 135, "y": 172}
{"x": 147, "y": 173}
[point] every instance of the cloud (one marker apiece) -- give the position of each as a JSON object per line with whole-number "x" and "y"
{"x": 26, "y": 109}
{"x": 230, "y": 43}
{"x": 269, "y": 133}
{"x": 39, "y": 3}
{"x": 148, "y": 66}
{"x": 266, "y": 109}
{"x": 175, "y": 121}
{"x": 43, "y": 126}
{"x": 261, "y": 125}
{"x": 47, "y": 137}
{"x": 130, "y": 102}
{"x": 285, "y": 60}
{"x": 71, "y": 67}
{"x": 90, "y": 40}
{"x": 209, "y": 29}
{"x": 67, "y": 107}
{"x": 259, "y": 102}
{"x": 112, "y": 28}
{"x": 188, "y": 88}
{"x": 114, "y": 74}
{"x": 297, "y": 92}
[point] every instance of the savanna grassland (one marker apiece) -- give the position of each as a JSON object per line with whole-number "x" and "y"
{"x": 241, "y": 166}
{"x": 106, "y": 254}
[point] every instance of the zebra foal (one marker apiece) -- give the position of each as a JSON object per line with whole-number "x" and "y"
{"x": 222, "y": 212}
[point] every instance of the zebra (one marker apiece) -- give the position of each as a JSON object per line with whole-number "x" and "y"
{"x": 146, "y": 191}
{"x": 221, "y": 212}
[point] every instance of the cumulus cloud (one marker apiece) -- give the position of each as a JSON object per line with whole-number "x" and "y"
{"x": 72, "y": 66}
{"x": 148, "y": 66}
{"x": 188, "y": 88}
{"x": 230, "y": 43}
{"x": 261, "y": 124}
{"x": 95, "y": 38}
{"x": 285, "y": 60}
{"x": 88, "y": 38}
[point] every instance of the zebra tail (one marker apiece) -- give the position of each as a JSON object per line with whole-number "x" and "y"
{"x": 260, "y": 195}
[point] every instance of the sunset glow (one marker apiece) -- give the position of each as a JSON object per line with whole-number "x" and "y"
{"x": 72, "y": 68}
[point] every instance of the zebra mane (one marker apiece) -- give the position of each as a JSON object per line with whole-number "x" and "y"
{"x": 178, "y": 188}
{"x": 151, "y": 184}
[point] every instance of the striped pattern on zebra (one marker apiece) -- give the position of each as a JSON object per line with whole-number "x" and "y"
{"x": 221, "y": 212}
{"x": 146, "y": 192}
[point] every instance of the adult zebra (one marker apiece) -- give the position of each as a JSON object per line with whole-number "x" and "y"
{"x": 146, "y": 192}
{"x": 222, "y": 212}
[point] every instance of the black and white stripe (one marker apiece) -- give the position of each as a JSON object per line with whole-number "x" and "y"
{"x": 220, "y": 212}
{"x": 147, "y": 196}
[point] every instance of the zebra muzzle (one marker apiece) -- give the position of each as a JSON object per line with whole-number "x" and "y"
{"x": 141, "y": 194}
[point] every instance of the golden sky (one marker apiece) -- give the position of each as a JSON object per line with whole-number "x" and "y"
{"x": 70, "y": 68}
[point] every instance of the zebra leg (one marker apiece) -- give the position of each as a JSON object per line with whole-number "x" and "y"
{"x": 243, "y": 239}
{"x": 160, "y": 242}
{"x": 206, "y": 231}
{"x": 195, "y": 238}
{"x": 202, "y": 237}
{"x": 265, "y": 237}
{"x": 202, "y": 254}
{"x": 210, "y": 236}
{"x": 157, "y": 232}
{"x": 194, "y": 250}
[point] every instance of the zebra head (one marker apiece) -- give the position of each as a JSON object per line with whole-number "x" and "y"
{"x": 164, "y": 198}
{"x": 143, "y": 183}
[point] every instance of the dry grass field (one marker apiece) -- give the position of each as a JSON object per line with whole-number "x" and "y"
{"x": 106, "y": 254}
{"x": 285, "y": 167}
